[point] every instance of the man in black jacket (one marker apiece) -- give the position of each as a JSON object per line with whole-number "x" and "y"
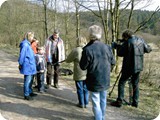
{"x": 132, "y": 50}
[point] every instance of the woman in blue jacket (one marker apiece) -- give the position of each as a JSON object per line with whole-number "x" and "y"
{"x": 27, "y": 64}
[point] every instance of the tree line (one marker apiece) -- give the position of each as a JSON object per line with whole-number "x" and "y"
{"x": 20, "y": 16}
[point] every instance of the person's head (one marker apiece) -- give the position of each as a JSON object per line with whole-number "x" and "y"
{"x": 35, "y": 40}
{"x": 29, "y": 36}
{"x": 40, "y": 50}
{"x": 81, "y": 41}
{"x": 95, "y": 32}
{"x": 127, "y": 34}
{"x": 56, "y": 34}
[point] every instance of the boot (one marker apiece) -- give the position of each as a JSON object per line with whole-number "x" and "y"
{"x": 28, "y": 98}
{"x": 116, "y": 103}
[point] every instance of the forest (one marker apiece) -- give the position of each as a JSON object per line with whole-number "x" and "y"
{"x": 20, "y": 16}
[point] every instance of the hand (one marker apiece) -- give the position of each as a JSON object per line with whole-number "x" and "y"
{"x": 19, "y": 67}
{"x": 114, "y": 45}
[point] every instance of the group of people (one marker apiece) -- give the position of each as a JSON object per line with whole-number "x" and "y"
{"x": 92, "y": 66}
{"x": 35, "y": 60}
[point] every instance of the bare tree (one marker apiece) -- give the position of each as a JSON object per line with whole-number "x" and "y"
{"x": 143, "y": 23}
{"x": 55, "y": 14}
{"x": 45, "y": 17}
{"x": 77, "y": 19}
{"x": 102, "y": 13}
{"x": 66, "y": 6}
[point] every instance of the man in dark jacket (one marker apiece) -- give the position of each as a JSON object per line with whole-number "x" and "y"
{"x": 132, "y": 50}
{"x": 97, "y": 59}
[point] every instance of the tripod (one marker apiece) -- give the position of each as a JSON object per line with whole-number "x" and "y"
{"x": 130, "y": 89}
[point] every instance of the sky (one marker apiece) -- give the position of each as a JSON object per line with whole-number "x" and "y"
{"x": 152, "y": 7}
{"x": 1, "y": 2}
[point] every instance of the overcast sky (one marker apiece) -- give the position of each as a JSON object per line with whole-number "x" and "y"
{"x": 153, "y": 5}
{"x": 1, "y": 1}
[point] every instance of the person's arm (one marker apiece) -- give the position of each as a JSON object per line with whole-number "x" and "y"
{"x": 22, "y": 54}
{"x": 147, "y": 48}
{"x": 121, "y": 49}
{"x": 112, "y": 59}
{"x": 71, "y": 56}
{"x": 84, "y": 62}
{"x": 63, "y": 52}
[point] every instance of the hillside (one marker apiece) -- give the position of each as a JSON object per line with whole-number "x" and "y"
{"x": 18, "y": 17}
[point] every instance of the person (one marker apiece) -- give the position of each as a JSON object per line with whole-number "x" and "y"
{"x": 41, "y": 67}
{"x": 34, "y": 45}
{"x": 54, "y": 51}
{"x": 79, "y": 75}
{"x": 97, "y": 59}
{"x": 132, "y": 49}
{"x": 27, "y": 65}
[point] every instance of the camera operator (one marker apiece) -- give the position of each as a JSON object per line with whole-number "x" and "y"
{"x": 132, "y": 49}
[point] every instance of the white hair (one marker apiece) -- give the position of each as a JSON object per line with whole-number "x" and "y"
{"x": 95, "y": 32}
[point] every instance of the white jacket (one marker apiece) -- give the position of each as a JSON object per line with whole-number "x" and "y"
{"x": 60, "y": 45}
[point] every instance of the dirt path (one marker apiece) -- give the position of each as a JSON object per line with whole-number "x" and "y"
{"x": 55, "y": 104}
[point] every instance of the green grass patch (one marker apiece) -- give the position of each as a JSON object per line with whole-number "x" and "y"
{"x": 149, "y": 100}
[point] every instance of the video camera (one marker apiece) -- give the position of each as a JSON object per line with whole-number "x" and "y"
{"x": 118, "y": 42}
{"x": 121, "y": 40}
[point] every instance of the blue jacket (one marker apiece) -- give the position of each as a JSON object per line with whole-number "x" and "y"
{"x": 97, "y": 58}
{"x": 26, "y": 58}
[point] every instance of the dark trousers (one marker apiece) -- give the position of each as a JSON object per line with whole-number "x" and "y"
{"x": 52, "y": 72}
{"x": 135, "y": 86}
{"x": 40, "y": 81}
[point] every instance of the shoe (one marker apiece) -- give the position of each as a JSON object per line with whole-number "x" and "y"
{"x": 45, "y": 90}
{"x": 56, "y": 86}
{"x": 80, "y": 106}
{"x": 42, "y": 92}
{"x": 35, "y": 86}
{"x": 47, "y": 86}
{"x": 33, "y": 94}
{"x": 134, "y": 105}
{"x": 116, "y": 104}
{"x": 28, "y": 98}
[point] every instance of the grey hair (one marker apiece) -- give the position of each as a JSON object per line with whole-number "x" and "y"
{"x": 95, "y": 32}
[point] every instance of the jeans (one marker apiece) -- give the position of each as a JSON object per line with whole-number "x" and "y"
{"x": 28, "y": 80}
{"x": 99, "y": 103}
{"x": 134, "y": 82}
{"x": 40, "y": 80}
{"x": 82, "y": 92}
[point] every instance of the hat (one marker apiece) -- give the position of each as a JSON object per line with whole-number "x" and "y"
{"x": 56, "y": 31}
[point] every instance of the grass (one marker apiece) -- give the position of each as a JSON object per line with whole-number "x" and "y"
{"x": 149, "y": 100}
